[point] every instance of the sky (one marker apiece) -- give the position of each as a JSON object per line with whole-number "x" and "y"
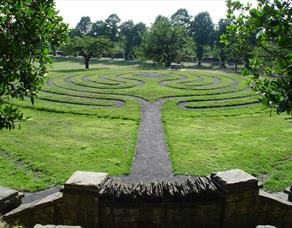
{"x": 137, "y": 10}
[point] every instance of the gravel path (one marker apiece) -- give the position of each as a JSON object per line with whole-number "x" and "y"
{"x": 152, "y": 161}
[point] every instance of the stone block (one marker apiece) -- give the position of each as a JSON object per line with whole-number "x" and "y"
{"x": 119, "y": 212}
{"x": 6, "y": 193}
{"x": 173, "y": 215}
{"x": 89, "y": 202}
{"x": 238, "y": 208}
{"x": 85, "y": 181}
{"x": 235, "y": 180}
{"x": 9, "y": 199}
{"x": 107, "y": 211}
{"x": 243, "y": 195}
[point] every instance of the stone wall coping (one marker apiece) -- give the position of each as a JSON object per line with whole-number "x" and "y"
{"x": 88, "y": 181}
{"x": 235, "y": 180}
{"x": 50, "y": 199}
{"x": 23, "y": 208}
{"x": 7, "y": 193}
{"x": 271, "y": 197}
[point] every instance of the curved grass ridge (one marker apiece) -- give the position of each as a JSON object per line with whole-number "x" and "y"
{"x": 109, "y": 90}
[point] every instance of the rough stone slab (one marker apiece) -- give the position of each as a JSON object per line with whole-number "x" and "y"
{"x": 275, "y": 199}
{"x": 235, "y": 180}
{"x": 6, "y": 193}
{"x": 191, "y": 189}
{"x": 9, "y": 199}
{"x": 35, "y": 196}
{"x": 281, "y": 195}
{"x": 23, "y": 208}
{"x": 265, "y": 226}
{"x": 86, "y": 181}
{"x": 50, "y": 199}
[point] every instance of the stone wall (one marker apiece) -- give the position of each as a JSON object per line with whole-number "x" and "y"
{"x": 9, "y": 199}
{"x": 225, "y": 199}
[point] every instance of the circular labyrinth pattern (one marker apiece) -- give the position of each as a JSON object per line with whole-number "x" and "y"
{"x": 90, "y": 91}
{"x": 212, "y": 92}
{"x": 194, "y": 91}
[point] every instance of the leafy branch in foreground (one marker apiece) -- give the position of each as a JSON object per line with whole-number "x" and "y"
{"x": 28, "y": 29}
{"x": 270, "y": 26}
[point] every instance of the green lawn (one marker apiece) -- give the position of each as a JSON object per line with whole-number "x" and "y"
{"x": 254, "y": 143}
{"x": 74, "y": 125}
{"x": 51, "y": 146}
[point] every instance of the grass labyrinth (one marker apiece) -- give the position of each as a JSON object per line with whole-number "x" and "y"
{"x": 89, "y": 120}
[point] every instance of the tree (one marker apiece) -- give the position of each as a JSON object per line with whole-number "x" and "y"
{"x": 270, "y": 26}
{"x": 24, "y": 48}
{"x": 89, "y": 47}
{"x": 181, "y": 18}
{"x": 139, "y": 30}
{"x": 84, "y": 26}
{"x": 187, "y": 53}
{"x": 98, "y": 29}
{"x": 201, "y": 28}
{"x": 238, "y": 43}
{"x": 220, "y": 46}
{"x": 164, "y": 41}
{"x": 131, "y": 36}
{"x": 112, "y": 27}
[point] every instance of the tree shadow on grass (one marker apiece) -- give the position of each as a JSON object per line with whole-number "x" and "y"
{"x": 78, "y": 70}
{"x": 105, "y": 62}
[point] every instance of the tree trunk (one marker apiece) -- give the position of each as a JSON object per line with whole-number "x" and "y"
{"x": 86, "y": 62}
{"x": 222, "y": 59}
{"x": 54, "y": 51}
{"x": 127, "y": 54}
{"x": 200, "y": 52}
{"x": 236, "y": 65}
{"x": 168, "y": 62}
{"x": 246, "y": 61}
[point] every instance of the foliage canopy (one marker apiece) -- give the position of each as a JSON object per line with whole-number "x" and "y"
{"x": 28, "y": 29}
{"x": 131, "y": 37}
{"x": 269, "y": 25}
{"x": 201, "y": 29}
{"x": 164, "y": 42}
{"x": 89, "y": 47}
